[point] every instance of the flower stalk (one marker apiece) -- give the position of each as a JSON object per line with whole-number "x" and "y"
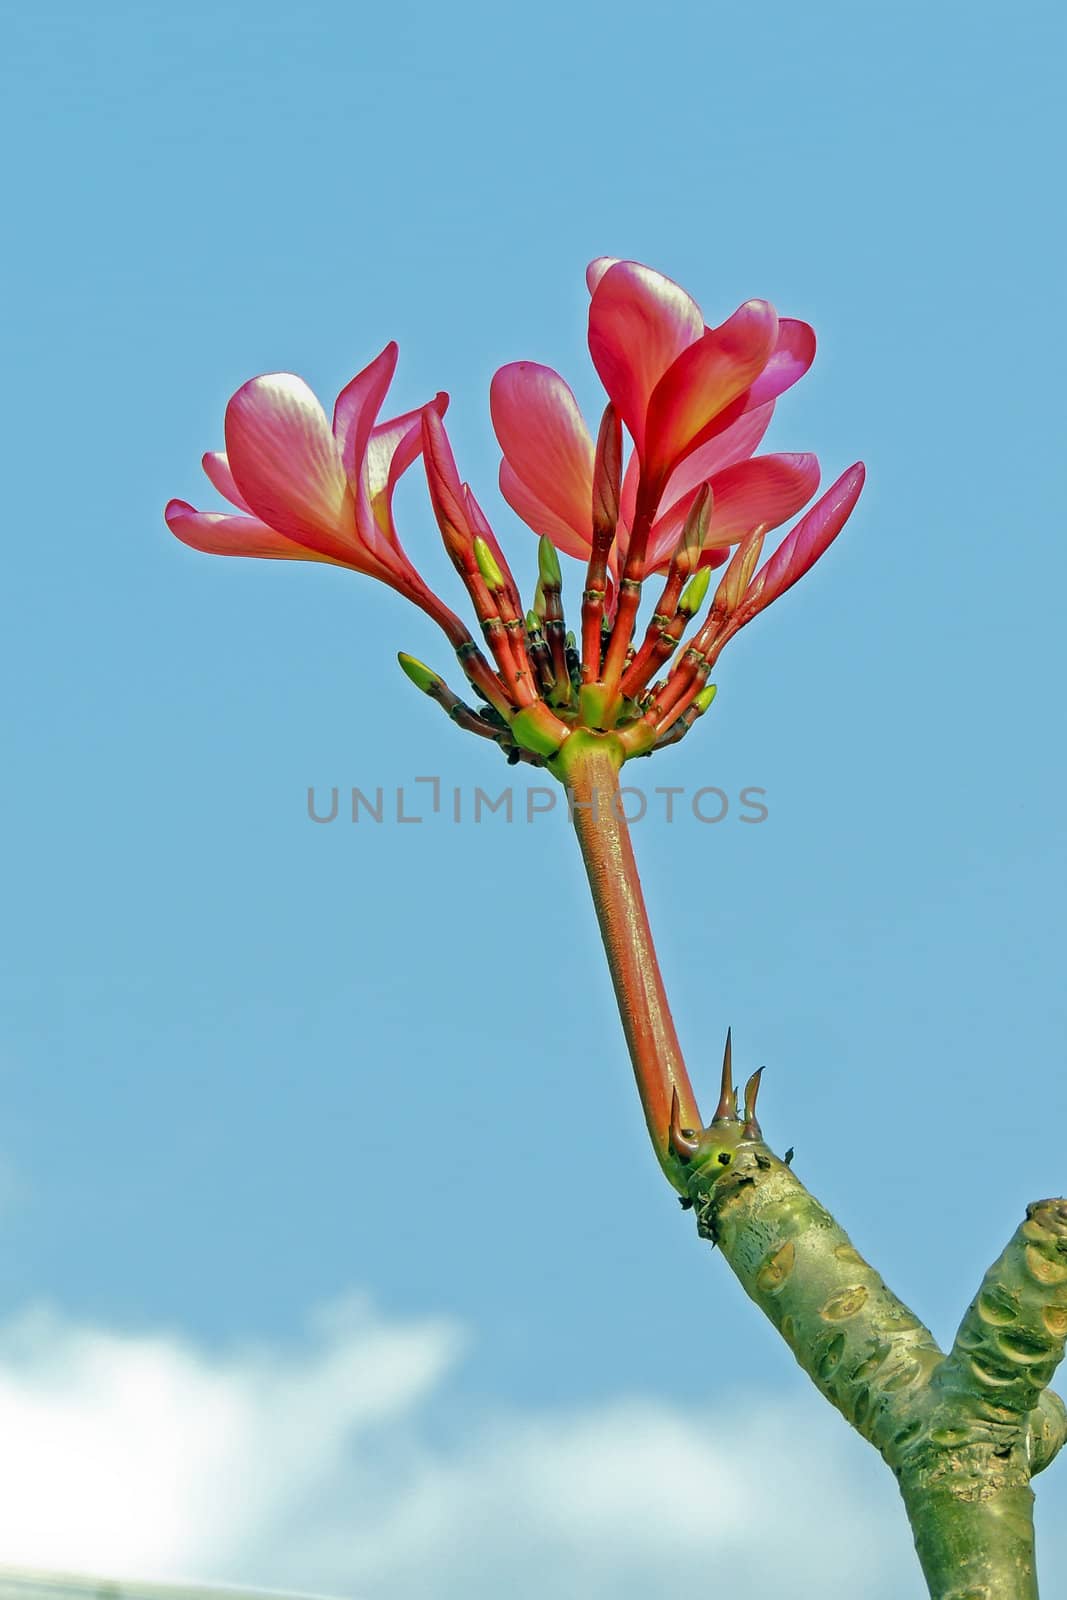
{"x": 589, "y": 766}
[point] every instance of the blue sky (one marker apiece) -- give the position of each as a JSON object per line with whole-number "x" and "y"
{"x": 249, "y": 1065}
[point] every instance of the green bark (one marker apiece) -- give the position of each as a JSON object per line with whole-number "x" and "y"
{"x": 964, "y": 1434}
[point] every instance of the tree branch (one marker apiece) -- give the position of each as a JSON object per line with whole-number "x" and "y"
{"x": 964, "y": 1434}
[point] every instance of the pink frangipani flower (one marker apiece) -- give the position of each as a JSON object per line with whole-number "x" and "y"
{"x": 696, "y": 402}
{"x": 307, "y": 492}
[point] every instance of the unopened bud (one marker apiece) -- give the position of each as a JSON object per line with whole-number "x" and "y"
{"x": 703, "y": 700}
{"x": 420, "y": 676}
{"x": 738, "y": 574}
{"x": 694, "y": 592}
{"x": 487, "y": 564}
{"x": 548, "y": 564}
{"x": 695, "y": 532}
{"x": 607, "y": 474}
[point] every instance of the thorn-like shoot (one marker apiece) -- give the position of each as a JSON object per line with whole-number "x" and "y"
{"x": 726, "y": 1110}
{"x": 752, "y": 1128}
{"x": 683, "y": 1141}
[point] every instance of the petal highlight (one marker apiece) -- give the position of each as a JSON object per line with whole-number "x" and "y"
{"x": 596, "y": 270}
{"x": 286, "y": 464}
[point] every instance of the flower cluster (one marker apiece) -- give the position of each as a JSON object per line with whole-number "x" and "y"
{"x": 692, "y": 496}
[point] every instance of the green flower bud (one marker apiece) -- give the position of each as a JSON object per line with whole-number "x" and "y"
{"x": 694, "y": 592}
{"x": 487, "y": 564}
{"x": 420, "y": 676}
{"x": 548, "y": 564}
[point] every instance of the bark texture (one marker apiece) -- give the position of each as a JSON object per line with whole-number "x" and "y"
{"x": 965, "y": 1433}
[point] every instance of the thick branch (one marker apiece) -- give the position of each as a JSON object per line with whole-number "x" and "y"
{"x": 991, "y": 1422}
{"x": 1012, "y": 1337}
{"x": 861, "y": 1346}
{"x": 964, "y": 1434}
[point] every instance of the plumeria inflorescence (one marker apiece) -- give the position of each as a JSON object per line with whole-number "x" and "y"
{"x": 691, "y": 496}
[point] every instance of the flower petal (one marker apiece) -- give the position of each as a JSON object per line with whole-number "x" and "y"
{"x": 803, "y": 546}
{"x": 537, "y": 516}
{"x": 545, "y": 441}
{"x": 390, "y": 451}
{"x": 217, "y": 468}
{"x": 703, "y": 381}
{"x": 222, "y": 533}
{"x": 735, "y": 443}
{"x": 639, "y": 324}
{"x": 596, "y": 270}
{"x": 286, "y": 464}
{"x": 357, "y": 406}
{"x": 763, "y": 491}
{"x": 793, "y": 354}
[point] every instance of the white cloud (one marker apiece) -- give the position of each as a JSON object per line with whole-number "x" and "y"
{"x": 146, "y": 1455}
{"x": 317, "y": 1469}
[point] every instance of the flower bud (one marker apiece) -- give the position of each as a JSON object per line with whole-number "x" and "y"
{"x": 548, "y": 564}
{"x": 487, "y": 564}
{"x": 694, "y": 592}
{"x": 421, "y": 676}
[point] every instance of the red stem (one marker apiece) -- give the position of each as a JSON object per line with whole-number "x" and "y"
{"x": 591, "y": 772}
{"x": 630, "y": 587}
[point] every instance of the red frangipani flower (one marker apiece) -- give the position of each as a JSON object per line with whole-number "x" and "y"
{"x": 696, "y": 402}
